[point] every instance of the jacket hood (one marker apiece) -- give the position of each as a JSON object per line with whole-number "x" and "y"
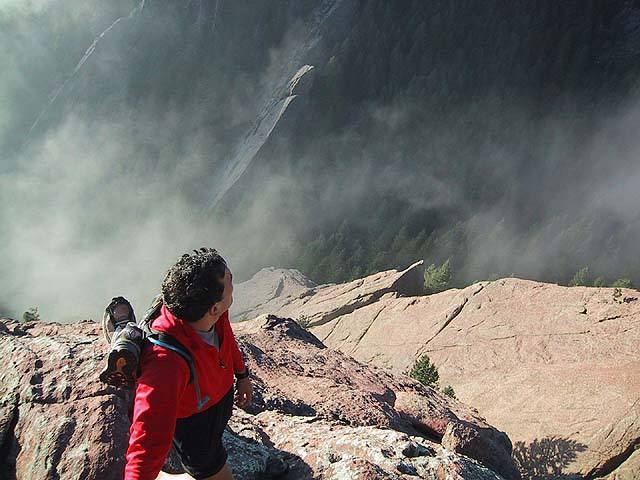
{"x": 179, "y": 329}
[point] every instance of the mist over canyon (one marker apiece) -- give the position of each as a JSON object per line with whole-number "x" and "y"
{"x": 338, "y": 137}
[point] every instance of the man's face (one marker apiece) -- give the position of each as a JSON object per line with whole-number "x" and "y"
{"x": 227, "y": 295}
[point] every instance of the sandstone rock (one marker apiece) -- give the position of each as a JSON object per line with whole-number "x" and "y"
{"x": 628, "y": 470}
{"x": 58, "y": 421}
{"x": 298, "y": 370}
{"x": 268, "y": 287}
{"x": 556, "y": 368}
{"x": 368, "y": 453}
{"x": 283, "y": 292}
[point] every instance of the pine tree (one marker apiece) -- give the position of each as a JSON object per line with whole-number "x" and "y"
{"x": 581, "y": 278}
{"x": 425, "y": 372}
{"x": 437, "y": 279}
{"x": 449, "y": 392}
{"x": 622, "y": 283}
{"x": 31, "y": 315}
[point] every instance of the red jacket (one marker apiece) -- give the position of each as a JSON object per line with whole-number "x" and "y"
{"x": 163, "y": 392}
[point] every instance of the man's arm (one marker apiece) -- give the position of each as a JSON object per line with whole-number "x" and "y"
{"x": 163, "y": 380}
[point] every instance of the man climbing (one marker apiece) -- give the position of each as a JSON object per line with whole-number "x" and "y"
{"x": 184, "y": 397}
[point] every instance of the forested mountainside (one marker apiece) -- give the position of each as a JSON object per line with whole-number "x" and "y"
{"x": 339, "y": 137}
{"x": 480, "y": 132}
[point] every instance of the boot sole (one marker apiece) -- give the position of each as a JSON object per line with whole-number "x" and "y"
{"x": 106, "y": 323}
{"x": 121, "y": 368}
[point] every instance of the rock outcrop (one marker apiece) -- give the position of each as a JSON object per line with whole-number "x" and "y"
{"x": 317, "y": 413}
{"x": 557, "y": 368}
{"x": 290, "y": 294}
{"x": 56, "y": 419}
{"x": 303, "y": 377}
{"x": 268, "y": 287}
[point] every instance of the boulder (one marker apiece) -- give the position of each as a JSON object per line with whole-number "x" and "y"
{"x": 343, "y": 452}
{"x": 56, "y": 419}
{"x": 287, "y": 293}
{"x": 317, "y": 413}
{"x": 268, "y": 287}
{"x": 297, "y": 370}
{"x": 556, "y": 368}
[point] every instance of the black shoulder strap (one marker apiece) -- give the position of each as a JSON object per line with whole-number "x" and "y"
{"x": 167, "y": 341}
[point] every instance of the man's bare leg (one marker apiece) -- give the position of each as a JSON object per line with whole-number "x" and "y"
{"x": 169, "y": 476}
{"x": 224, "y": 474}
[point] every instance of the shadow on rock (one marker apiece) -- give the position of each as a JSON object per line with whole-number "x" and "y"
{"x": 546, "y": 458}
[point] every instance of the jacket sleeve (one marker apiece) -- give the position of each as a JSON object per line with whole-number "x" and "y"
{"x": 163, "y": 380}
{"x": 238, "y": 361}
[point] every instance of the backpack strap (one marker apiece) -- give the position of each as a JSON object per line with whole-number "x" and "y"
{"x": 170, "y": 343}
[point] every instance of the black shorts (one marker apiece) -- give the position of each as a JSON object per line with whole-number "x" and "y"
{"x": 198, "y": 439}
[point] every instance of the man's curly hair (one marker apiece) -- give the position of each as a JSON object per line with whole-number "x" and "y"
{"x": 194, "y": 284}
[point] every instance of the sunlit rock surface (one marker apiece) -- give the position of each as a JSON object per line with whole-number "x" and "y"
{"x": 317, "y": 413}
{"x": 556, "y": 368}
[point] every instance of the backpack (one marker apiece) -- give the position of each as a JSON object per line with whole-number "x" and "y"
{"x": 167, "y": 341}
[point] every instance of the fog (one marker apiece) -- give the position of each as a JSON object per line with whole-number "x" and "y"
{"x": 107, "y": 176}
{"x": 97, "y": 204}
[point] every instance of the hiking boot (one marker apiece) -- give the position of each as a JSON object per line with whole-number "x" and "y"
{"x": 120, "y": 330}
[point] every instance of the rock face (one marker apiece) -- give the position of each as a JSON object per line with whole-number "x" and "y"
{"x": 557, "y": 368}
{"x": 303, "y": 377}
{"x": 56, "y": 419}
{"x": 317, "y": 413}
{"x": 289, "y": 294}
{"x": 268, "y": 287}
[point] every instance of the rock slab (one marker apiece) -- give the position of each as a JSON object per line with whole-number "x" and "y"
{"x": 318, "y": 414}
{"x": 556, "y": 368}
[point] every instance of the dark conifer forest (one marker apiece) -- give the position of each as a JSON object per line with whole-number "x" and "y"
{"x": 498, "y": 135}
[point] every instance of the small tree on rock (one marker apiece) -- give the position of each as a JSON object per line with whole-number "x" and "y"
{"x": 437, "y": 279}
{"x": 581, "y": 278}
{"x": 617, "y": 295}
{"x": 622, "y": 283}
{"x": 31, "y": 315}
{"x": 303, "y": 321}
{"x": 449, "y": 392}
{"x": 425, "y": 372}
